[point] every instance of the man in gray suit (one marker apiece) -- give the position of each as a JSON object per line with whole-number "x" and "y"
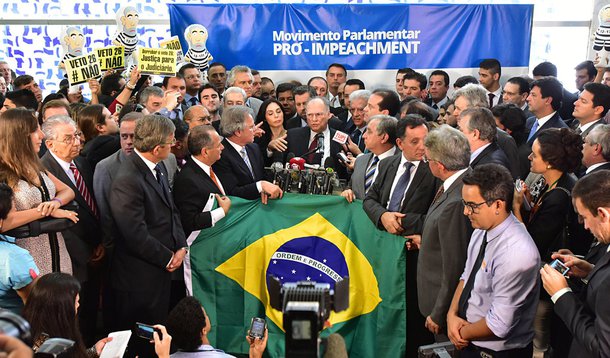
{"x": 379, "y": 139}
{"x": 446, "y": 231}
{"x": 241, "y": 76}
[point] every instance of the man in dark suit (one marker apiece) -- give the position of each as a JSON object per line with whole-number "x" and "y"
{"x": 591, "y": 107}
{"x": 197, "y": 180}
{"x": 174, "y": 106}
{"x": 317, "y": 134}
{"x": 490, "y": 72}
{"x": 398, "y": 201}
{"x": 479, "y": 126}
{"x": 380, "y": 139}
{"x": 357, "y": 125}
{"x": 83, "y": 240}
{"x": 516, "y": 90}
{"x": 596, "y": 149}
{"x": 566, "y": 107}
{"x": 302, "y": 95}
{"x": 151, "y": 243}
{"x": 587, "y": 316}
{"x": 446, "y": 232}
{"x": 285, "y": 96}
{"x": 240, "y": 167}
{"x": 351, "y": 86}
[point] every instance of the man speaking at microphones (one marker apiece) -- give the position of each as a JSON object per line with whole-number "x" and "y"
{"x": 315, "y": 143}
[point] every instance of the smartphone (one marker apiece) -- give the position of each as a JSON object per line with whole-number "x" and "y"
{"x": 518, "y": 185}
{"x": 560, "y": 267}
{"x": 146, "y": 331}
{"x": 257, "y": 328}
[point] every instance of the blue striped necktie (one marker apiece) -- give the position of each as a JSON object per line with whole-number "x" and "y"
{"x": 370, "y": 174}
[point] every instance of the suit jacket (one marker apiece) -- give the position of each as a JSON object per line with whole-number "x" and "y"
{"x": 588, "y": 318}
{"x": 254, "y": 104}
{"x": 443, "y": 253}
{"x": 491, "y": 154}
{"x": 356, "y": 180}
{"x": 149, "y": 229}
{"x": 554, "y": 122}
{"x": 82, "y": 238}
{"x": 417, "y": 199}
{"x": 509, "y": 147}
{"x": 294, "y": 122}
{"x": 234, "y": 174}
{"x": 193, "y": 189}
{"x": 298, "y": 144}
{"x": 567, "y": 106}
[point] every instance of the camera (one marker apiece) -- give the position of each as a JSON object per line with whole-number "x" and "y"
{"x": 55, "y": 347}
{"x": 13, "y": 325}
{"x": 560, "y": 267}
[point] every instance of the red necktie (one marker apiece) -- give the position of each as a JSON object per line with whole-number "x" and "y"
{"x": 82, "y": 189}
{"x": 312, "y": 156}
{"x": 213, "y": 177}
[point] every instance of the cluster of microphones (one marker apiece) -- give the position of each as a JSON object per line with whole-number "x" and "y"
{"x": 298, "y": 176}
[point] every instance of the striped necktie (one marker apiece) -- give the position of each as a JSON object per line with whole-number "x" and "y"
{"x": 370, "y": 174}
{"x": 82, "y": 189}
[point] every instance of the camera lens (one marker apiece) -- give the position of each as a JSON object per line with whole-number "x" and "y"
{"x": 14, "y": 325}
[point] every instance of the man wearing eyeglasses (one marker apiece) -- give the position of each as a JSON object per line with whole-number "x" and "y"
{"x": 192, "y": 79}
{"x": 83, "y": 240}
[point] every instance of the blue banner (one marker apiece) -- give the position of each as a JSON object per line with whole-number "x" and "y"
{"x": 363, "y": 37}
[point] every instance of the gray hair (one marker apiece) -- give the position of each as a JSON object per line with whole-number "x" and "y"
{"x": 385, "y": 125}
{"x": 600, "y": 134}
{"x": 150, "y": 91}
{"x": 360, "y": 94}
{"x": 482, "y": 120}
{"x": 448, "y": 146}
{"x": 152, "y": 130}
{"x": 234, "y": 90}
{"x": 324, "y": 100}
{"x": 50, "y": 125}
{"x": 233, "y": 119}
{"x": 235, "y": 70}
{"x": 200, "y": 137}
{"x": 474, "y": 94}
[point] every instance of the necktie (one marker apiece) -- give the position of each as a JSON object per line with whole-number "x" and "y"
{"x": 491, "y": 99}
{"x": 434, "y": 106}
{"x": 213, "y": 177}
{"x": 311, "y": 157}
{"x": 533, "y": 130}
{"x": 356, "y": 136}
{"x": 401, "y": 187}
{"x": 82, "y": 189}
{"x": 578, "y": 130}
{"x": 193, "y": 101}
{"x": 370, "y": 174}
{"x": 463, "y": 302}
{"x": 438, "y": 194}
{"x": 244, "y": 156}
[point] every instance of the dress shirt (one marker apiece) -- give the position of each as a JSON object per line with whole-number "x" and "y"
{"x": 447, "y": 183}
{"x": 505, "y": 291}
{"x": 327, "y": 139}
{"x": 333, "y": 100}
{"x": 148, "y": 163}
{"x": 399, "y": 173}
{"x": 476, "y": 153}
{"x": 187, "y": 99}
{"x": 66, "y": 167}
{"x": 440, "y": 103}
{"x": 238, "y": 148}
{"x": 543, "y": 120}
{"x": 204, "y": 351}
{"x": 497, "y": 95}
{"x": 219, "y": 212}
{"x": 594, "y": 166}
{"x": 172, "y": 114}
{"x": 584, "y": 127}
{"x": 390, "y": 152}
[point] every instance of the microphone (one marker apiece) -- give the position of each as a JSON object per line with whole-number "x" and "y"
{"x": 297, "y": 163}
{"x": 329, "y": 163}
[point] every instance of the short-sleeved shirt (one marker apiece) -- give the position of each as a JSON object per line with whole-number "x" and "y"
{"x": 17, "y": 270}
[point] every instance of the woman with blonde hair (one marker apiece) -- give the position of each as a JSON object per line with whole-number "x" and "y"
{"x": 38, "y": 194}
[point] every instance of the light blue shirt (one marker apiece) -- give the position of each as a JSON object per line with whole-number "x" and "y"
{"x": 17, "y": 270}
{"x": 205, "y": 350}
{"x": 506, "y": 288}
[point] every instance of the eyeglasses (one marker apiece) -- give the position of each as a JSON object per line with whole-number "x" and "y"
{"x": 428, "y": 160}
{"x": 472, "y": 207}
{"x": 69, "y": 139}
{"x": 173, "y": 142}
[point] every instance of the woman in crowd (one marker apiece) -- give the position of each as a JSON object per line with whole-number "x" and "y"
{"x": 38, "y": 194}
{"x": 51, "y": 310}
{"x": 546, "y": 210}
{"x": 273, "y": 143}
{"x": 99, "y": 128}
{"x": 189, "y": 325}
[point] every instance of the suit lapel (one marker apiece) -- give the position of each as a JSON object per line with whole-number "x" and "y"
{"x": 206, "y": 180}
{"x": 149, "y": 177}
{"x": 59, "y": 172}
{"x": 605, "y": 260}
{"x": 237, "y": 157}
{"x": 420, "y": 174}
{"x": 482, "y": 155}
{"x": 390, "y": 174}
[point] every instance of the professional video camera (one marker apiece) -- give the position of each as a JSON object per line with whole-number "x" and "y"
{"x": 306, "y": 305}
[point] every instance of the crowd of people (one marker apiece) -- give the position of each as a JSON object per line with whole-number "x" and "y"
{"x": 487, "y": 184}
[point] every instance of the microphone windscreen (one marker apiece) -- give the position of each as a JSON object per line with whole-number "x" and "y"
{"x": 335, "y": 347}
{"x": 329, "y": 162}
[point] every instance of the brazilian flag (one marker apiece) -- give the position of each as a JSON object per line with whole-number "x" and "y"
{"x": 298, "y": 238}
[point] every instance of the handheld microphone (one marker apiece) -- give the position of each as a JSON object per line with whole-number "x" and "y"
{"x": 297, "y": 163}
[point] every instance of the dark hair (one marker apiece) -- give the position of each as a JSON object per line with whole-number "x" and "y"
{"x": 284, "y": 87}
{"x": 405, "y": 70}
{"x": 464, "y": 80}
{"x": 185, "y": 324}
{"x": 601, "y": 95}
{"x": 419, "y": 77}
{"x": 390, "y": 101}
{"x": 409, "y": 121}
{"x": 301, "y": 90}
{"x": 185, "y": 67}
{"x": 511, "y": 116}
{"x": 492, "y": 65}
{"x": 217, "y": 64}
{"x": 524, "y": 85}
{"x": 6, "y": 200}
{"x": 199, "y": 138}
{"x": 317, "y": 78}
{"x": 494, "y": 182}
{"x": 88, "y": 119}
{"x": 55, "y": 98}
{"x": 181, "y": 129}
{"x": 355, "y": 82}
{"x": 482, "y": 120}
{"x": 441, "y": 73}
{"x": 589, "y": 66}
{"x": 50, "y": 308}
{"x": 22, "y": 80}
{"x": 208, "y": 86}
{"x": 561, "y": 148}
{"x": 545, "y": 69}
{"x": 593, "y": 190}
{"x": 254, "y": 72}
{"x": 550, "y": 87}
{"x": 23, "y": 98}
{"x": 337, "y": 65}
{"x": 111, "y": 83}
{"x": 416, "y": 106}
{"x": 166, "y": 79}
{"x": 261, "y": 115}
